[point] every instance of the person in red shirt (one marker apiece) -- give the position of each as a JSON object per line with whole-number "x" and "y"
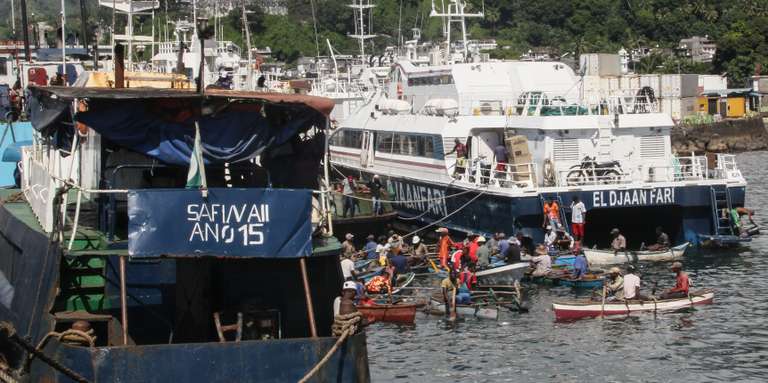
{"x": 444, "y": 246}
{"x": 474, "y": 244}
{"x": 681, "y": 285}
{"x": 456, "y": 257}
{"x": 468, "y": 277}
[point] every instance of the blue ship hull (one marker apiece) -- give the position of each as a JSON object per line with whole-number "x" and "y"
{"x": 32, "y": 265}
{"x": 684, "y": 212}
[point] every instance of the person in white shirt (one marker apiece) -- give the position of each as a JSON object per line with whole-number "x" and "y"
{"x": 550, "y": 238}
{"x": 347, "y": 268}
{"x": 578, "y": 211}
{"x": 632, "y": 284}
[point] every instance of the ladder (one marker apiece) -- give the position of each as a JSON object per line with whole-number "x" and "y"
{"x": 604, "y": 141}
{"x": 721, "y": 199}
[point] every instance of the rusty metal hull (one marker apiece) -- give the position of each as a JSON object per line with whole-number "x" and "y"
{"x": 284, "y": 360}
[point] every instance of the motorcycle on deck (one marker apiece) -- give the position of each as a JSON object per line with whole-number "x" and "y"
{"x": 591, "y": 172}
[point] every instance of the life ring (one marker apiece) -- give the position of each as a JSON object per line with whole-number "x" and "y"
{"x": 549, "y": 172}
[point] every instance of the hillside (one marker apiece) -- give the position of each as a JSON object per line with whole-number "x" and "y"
{"x": 739, "y": 27}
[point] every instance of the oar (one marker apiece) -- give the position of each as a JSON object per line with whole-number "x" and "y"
{"x": 602, "y": 305}
{"x": 452, "y": 316}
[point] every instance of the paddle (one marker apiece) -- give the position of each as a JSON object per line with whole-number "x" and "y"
{"x": 602, "y": 304}
{"x": 452, "y": 316}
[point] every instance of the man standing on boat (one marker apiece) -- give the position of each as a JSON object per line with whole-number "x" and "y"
{"x": 614, "y": 285}
{"x": 375, "y": 187}
{"x": 444, "y": 246}
{"x": 418, "y": 251}
{"x": 348, "y": 191}
{"x": 502, "y": 157}
{"x": 662, "y": 240}
{"x": 682, "y": 283}
{"x": 347, "y": 267}
{"x": 619, "y": 243}
{"x": 461, "y": 157}
{"x": 370, "y": 247}
{"x": 347, "y": 247}
{"x": 483, "y": 253}
{"x": 541, "y": 263}
{"x": 578, "y": 213}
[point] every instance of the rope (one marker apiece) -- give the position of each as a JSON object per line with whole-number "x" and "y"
{"x": 344, "y": 325}
{"x": 70, "y": 335}
{"x": 7, "y": 378}
{"x": 15, "y": 197}
{"x": 7, "y": 329}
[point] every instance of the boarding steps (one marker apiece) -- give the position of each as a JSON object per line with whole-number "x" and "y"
{"x": 604, "y": 142}
{"x": 721, "y": 199}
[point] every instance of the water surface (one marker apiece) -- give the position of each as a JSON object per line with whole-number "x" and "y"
{"x": 726, "y": 341}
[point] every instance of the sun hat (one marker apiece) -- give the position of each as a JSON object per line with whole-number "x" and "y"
{"x": 349, "y": 285}
{"x": 481, "y": 239}
{"x": 415, "y": 239}
{"x": 615, "y": 270}
{"x": 349, "y": 236}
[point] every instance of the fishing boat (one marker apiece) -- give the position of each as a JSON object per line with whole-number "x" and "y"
{"x": 588, "y": 308}
{"x": 610, "y": 257}
{"x": 393, "y": 313}
{"x": 162, "y": 276}
{"x": 589, "y": 281}
{"x": 482, "y": 311}
{"x": 502, "y": 275}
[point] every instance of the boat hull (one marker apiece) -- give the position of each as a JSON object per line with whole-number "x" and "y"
{"x": 591, "y": 309}
{"x": 503, "y": 275}
{"x": 608, "y": 257}
{"x": 399, "y": 313}
{"x": 582, "y": 283}
{"x": 468, "y": 311}
{"x": 485, "y": 211}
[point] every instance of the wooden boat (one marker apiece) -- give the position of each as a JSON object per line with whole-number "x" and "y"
{"x": 609, "y": 257}
{"x": 502, "y": 275}
{"x": 392, "y": 313}
{"x": 589, "y": 281}
{"x": 587, "y": 308}
{"x": 481, "y": 311}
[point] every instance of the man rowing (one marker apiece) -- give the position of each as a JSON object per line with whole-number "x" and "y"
{"x": 682, "y": 283}
{"x": 662, "y": 240}
{"x": 614, "y": 285}
{"x": 541, "y": 263}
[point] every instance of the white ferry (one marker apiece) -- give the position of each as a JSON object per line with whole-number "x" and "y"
{"x": 614, "y": 153}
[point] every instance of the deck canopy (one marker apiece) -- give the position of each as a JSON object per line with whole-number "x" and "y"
{"x": 160, "y": 123}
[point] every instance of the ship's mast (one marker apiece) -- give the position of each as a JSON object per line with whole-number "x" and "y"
{"x": 360, "y": 7}
{"x": 454, "y": 13}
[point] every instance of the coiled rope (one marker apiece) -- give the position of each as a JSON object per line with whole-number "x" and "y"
{"x": 344, "y": 326}
{"x": 7, "y": 330}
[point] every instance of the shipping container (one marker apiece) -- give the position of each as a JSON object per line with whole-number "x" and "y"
{"x": 712, "y": 82}
{"x": 600, "y": 64}
{"x": 679, "y": 108}
{"x": 679, "y": 85}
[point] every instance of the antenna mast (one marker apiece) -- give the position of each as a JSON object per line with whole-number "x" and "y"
{"x": 359, "y": 9}
{"x": 454, "y": 13}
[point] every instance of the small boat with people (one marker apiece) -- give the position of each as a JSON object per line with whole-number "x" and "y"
{"x": 612, "y": 257}
{"x": 570, "y": 310}
{"x": 588, "y": 281}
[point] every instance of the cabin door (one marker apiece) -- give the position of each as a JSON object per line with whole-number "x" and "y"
{"x": 366, "y": 151}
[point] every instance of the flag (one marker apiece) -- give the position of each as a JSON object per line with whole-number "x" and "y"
{"x": 196, "y": 176}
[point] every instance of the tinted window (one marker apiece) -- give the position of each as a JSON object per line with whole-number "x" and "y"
{"x": 384, "y": 142}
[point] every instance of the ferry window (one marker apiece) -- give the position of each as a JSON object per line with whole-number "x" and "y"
{"x": 348, "y": 138}
{"x": 410, "y": 82}
{"x": 429, "y": 147}
{"x": 3, "y": 66}
{"x": 384, "y": 142}
{"x": 397, "y": 144}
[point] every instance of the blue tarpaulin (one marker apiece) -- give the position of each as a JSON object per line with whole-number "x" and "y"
{"x": 237, "y": 134}
{"x": 242, "y": 223}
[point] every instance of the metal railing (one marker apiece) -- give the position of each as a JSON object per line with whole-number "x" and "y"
{"x": 541, "y": 104}
{"x": 480, "y": 171}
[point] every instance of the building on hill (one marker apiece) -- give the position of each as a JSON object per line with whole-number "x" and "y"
{"x": 698, "y": 49}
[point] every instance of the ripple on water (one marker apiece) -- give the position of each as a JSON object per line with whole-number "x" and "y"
{"x": 727, "y": 341}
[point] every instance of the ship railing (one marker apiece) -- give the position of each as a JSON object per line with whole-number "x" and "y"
{"x": 683, "y": 168}
{"x": 726, "y": 167}
{"x": 542, "y": 104}
{"x": 586, "y": 177}
{"x": 480, "y": 171}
